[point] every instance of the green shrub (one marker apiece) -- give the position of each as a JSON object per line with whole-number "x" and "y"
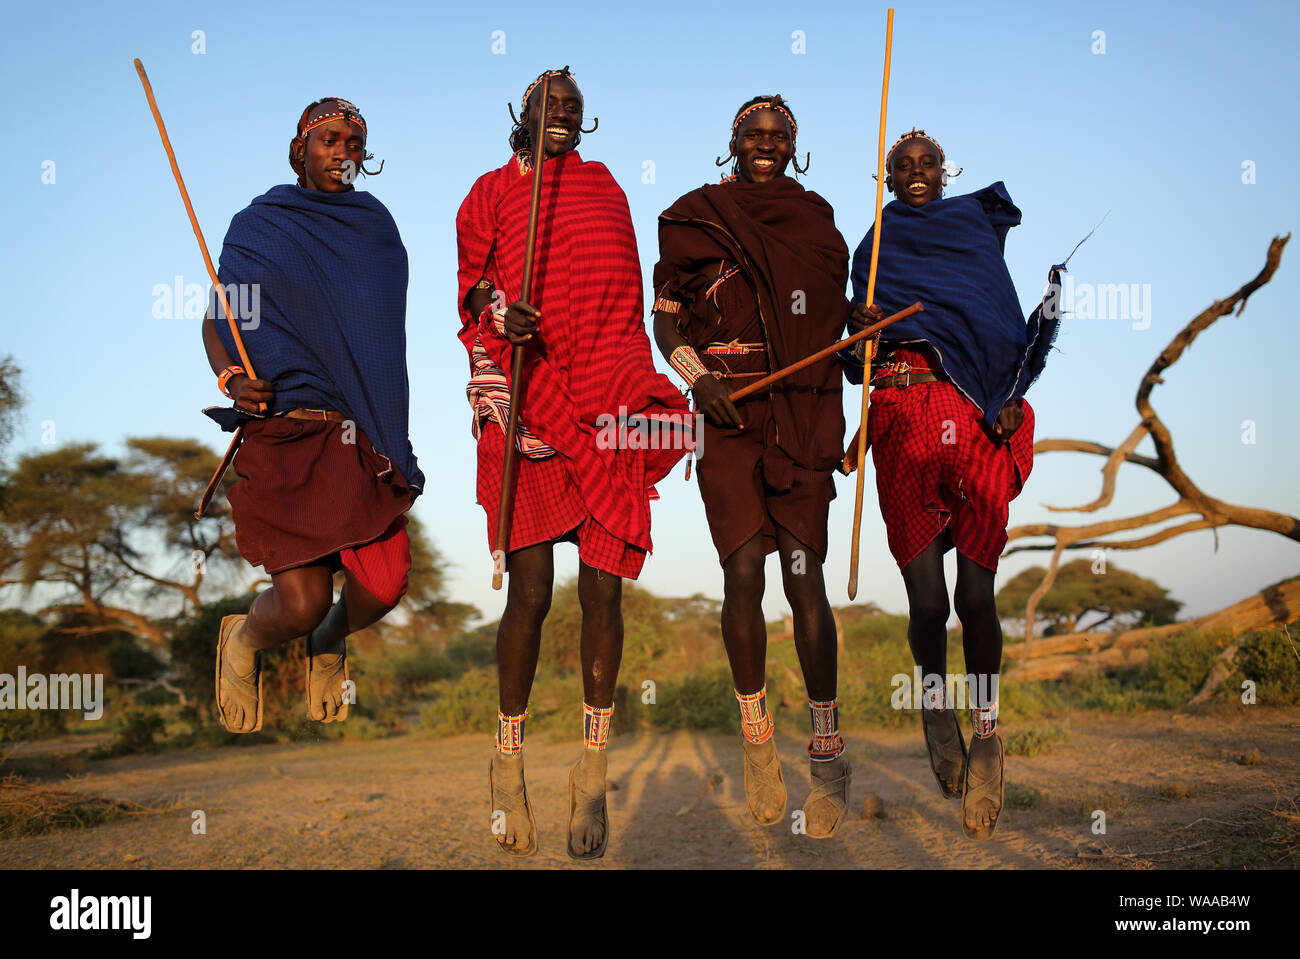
{"x": 135, "y": 733}
{"x": 1269, "y": 658}
{"x": 465, "y": 705}
{"x": 705, "y": 700}
{"x": 1034, "y": 740}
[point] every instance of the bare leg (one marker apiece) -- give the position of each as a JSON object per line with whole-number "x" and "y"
{"x": 815, "y": 643}
{"x": 814, "y": 624}
{"x": 356, "y": 609}
{"x": 519, "y": 639}
{"x": 927, "y": 634}
{"x": 601, "y": 596}
{"x": 744, "y": 633}
{"x": 982, "y": 645}
{"x": 295, "y": 604}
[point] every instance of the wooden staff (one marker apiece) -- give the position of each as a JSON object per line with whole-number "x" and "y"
{"x": 212, "y": 273}
{"x": 871, "y": 297}
{"x": 843, "y": 344}
{"x": 517, "y": 354}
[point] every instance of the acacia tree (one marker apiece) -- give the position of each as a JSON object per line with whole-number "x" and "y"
{"x": 1114, "y": 596}
{"x": 84, "y": 522}
{"x": 1191, "y": 499}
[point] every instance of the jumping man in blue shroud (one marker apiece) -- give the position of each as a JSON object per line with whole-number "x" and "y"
{"x": 326, "y": 473}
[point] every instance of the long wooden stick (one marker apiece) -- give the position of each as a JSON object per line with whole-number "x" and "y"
{"x": 871, "y": 297}
{"x": 212, "y": 273}
{"x": 843, "y": 344}
{"x": 517, "y": 353}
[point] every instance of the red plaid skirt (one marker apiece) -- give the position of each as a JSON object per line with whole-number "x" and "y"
{"x": 547, "y": 507}
{"x": 937, "y": 469}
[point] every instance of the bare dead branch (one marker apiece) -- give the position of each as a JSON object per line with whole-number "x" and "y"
{"x": 1214, "y": 513}
{"x": 1114, "y": 457}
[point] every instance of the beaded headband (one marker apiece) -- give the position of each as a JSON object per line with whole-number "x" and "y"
{"x": 523, "y": 104}
{"x": 915, "y": 134}
{"x": 777, "y": 104}
{"x": 329, "y": 109}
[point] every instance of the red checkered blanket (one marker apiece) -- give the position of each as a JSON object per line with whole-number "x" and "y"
{"x": 591, "y": 356}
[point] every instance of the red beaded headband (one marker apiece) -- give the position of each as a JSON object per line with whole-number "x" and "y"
{"x": 912, "y": 136}
{"x": 766, "y": 105}
{"x": 330, "y": 108}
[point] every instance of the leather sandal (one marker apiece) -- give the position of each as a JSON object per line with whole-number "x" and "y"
{"x": 579, "y": 800}
{"x": 835, "y": 791}
{"x": 513, "y": 804}
{"x": 943, "y": 754}
{"x": 978, "y": 790}
{"x": 758, "y": 777}
{"x": 229, "y": 626}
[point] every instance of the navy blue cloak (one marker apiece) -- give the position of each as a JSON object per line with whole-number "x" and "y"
{"x": 330, "y": 329}
{"x": 948, "y": 255}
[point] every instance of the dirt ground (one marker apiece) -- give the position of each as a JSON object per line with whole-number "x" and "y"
{"x": 1176, "y": 790}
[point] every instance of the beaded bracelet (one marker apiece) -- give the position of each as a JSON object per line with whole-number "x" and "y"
{"x": 687, "y": 364}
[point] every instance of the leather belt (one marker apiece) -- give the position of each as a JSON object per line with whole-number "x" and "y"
{"x": 903, "y": 379}
{"x": 333, "y": 416}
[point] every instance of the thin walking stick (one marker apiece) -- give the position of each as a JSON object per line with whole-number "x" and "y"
{"x": 212, "y": 273}
{"x": 871, "y": 296}
{"x": 843, "y": 344}
{"x": 517, "y": 353}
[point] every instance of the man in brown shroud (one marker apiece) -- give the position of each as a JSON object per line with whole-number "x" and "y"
{"x": 751, "y": 277}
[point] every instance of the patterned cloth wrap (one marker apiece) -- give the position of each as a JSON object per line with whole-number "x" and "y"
{"x": 590, "y": 357}
{"x": 937, "y": 468}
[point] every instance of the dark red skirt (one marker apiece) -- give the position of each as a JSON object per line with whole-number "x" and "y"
{"x": 309, "y": 488}
{"x": 749, "y": 487}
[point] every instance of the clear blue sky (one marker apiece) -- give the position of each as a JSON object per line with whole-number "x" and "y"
{"x": 1155, "y": 130}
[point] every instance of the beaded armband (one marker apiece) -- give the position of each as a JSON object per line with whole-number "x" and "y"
{"x": 667, "y": 306}
{"x": 687, "y": 364}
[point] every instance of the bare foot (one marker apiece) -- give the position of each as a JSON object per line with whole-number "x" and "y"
{"x": 829, "y": 799}
{"x": 588, "y": 823}
{"x": 512, "y": 819}
{"x": 982, "y": 801}
{"x": 326, "y": 672}
{"x": 764, "y": 784}
{"x": 237, "y": 698}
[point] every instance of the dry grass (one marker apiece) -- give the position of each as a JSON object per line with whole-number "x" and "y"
{"x": 29, "y": 809}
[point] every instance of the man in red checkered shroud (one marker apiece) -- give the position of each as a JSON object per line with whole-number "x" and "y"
{"x": 587, "y": 365}
{"x": 952, "y": 438}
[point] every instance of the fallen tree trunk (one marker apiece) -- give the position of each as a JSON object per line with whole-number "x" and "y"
{"x": 1059, "y": 657}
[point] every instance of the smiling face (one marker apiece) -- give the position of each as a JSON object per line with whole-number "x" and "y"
{"x": 763, "y": 146}
{"x": 326, "y": 153}
{"x": 562, "y": 117}
{"x": 916, "y": 172}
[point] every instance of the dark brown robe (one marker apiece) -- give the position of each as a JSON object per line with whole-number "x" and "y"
{"x": 789, "y": 294}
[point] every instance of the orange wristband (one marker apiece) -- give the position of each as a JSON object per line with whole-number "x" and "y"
{"x": 225, "y": 375}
